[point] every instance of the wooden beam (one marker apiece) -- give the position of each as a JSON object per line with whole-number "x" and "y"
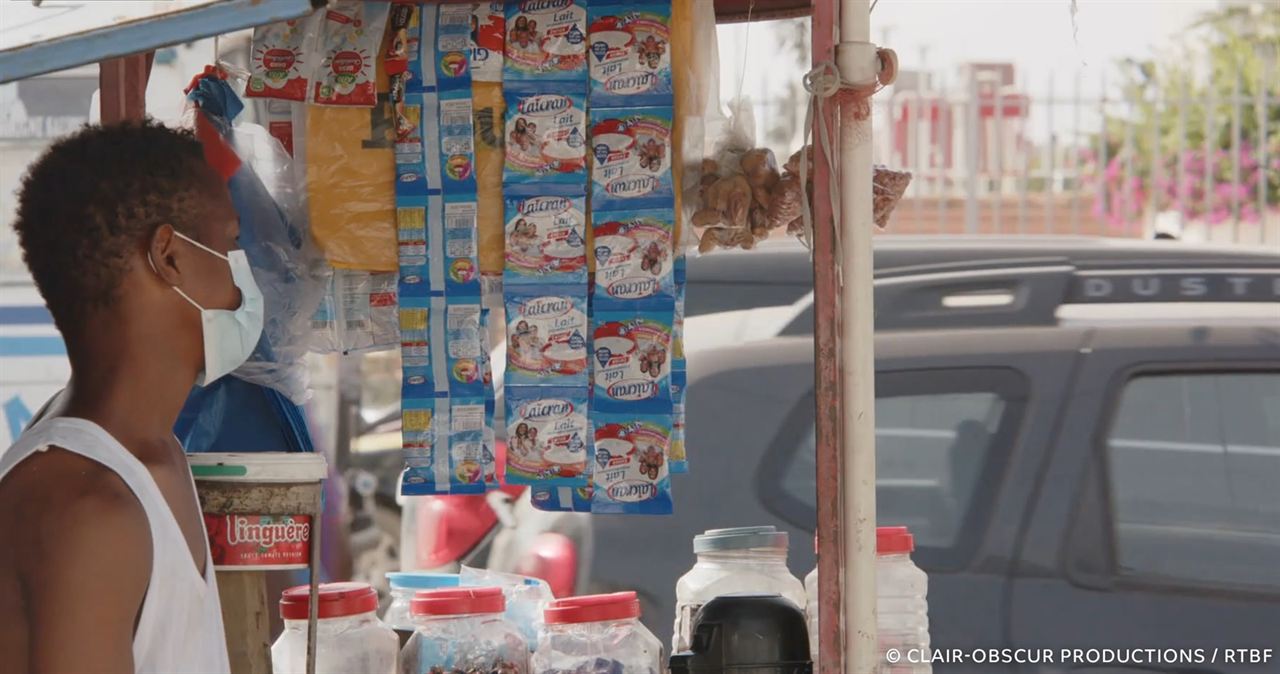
{"x": 122, "y": 87}
{"x": 246, "y": 620}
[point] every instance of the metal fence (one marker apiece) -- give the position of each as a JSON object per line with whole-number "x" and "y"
{"x": 991, "y": 159}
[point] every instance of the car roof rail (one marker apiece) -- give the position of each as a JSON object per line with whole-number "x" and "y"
{"x": 1029, "y": 291}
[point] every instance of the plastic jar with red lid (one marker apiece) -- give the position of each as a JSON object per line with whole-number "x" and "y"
{"x": 349, "y": 636}
{"x": 461, "y": 630}
{"x": 598, "y": 633}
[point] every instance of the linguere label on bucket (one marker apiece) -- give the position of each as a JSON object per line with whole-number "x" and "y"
{"x": 278, "y": 541}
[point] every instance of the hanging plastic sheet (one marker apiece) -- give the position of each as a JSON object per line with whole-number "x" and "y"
{"x": 273, "y": 234}
{"x": 231, "y": 415}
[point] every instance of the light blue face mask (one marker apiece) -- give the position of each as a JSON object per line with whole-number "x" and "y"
{"x": 229, "y": 336}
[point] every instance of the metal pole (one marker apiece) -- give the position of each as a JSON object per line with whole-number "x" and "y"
{"x": 827, "y": 394}
{"x": 1128, "y": 206}
{"x": 1182, "y": 155}
{"x": 1103, "y": 138}
{"x": 917, "y": 102}
{"x": 1210, "y": 164}
{"x": 1263, "y": 100}
{"x": 313, "y": 605}
{"x": 1156, "y": 175}
{"x": 997, "y": 202}
{"x": 971, "y": 159}
{"x": 1076, "y": 168}
{"x": 1235, "y": 159}
{"x": 944, "y": 152}
{"x": 1051, "y": 165}
{"x": 858, "y": 63}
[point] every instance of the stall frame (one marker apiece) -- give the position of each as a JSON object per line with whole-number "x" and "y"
{"x": 844, "y": 359}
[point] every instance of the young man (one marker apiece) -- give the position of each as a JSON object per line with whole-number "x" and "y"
{"x": 104, "y": 562}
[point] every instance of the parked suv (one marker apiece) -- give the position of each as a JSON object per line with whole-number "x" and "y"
{"x": 1083, "y": 435}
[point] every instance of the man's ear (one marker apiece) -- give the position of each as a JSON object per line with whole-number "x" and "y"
{"x": 163, "y": 250}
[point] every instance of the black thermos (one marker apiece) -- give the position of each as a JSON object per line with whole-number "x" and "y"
{"x": 747, "y": 634}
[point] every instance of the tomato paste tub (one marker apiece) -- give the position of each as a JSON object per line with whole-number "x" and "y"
{"x": 259, "y": 508}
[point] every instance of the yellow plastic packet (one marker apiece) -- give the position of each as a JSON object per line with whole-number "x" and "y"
{"x": 351, "y": 183}
{"x": 488, "y": 107}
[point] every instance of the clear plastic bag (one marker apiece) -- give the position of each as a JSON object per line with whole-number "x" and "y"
{"x": 695, "y": 64}
{"x": 526, "y": 598}
{"x": 357, "y": 312}
{"x": 273, "y": 232}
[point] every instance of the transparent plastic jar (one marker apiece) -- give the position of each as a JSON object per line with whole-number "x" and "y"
{"x": 597, "y": 634}
{"x": 403, "y": 586}
{"x": 811, "y": 606}
{"x": 731, "y": 561}
{"x": 902, "y": 604}
{"x": 349, "y": 636}
{"x": 462, "y": 630}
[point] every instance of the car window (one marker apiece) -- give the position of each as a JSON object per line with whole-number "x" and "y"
{"x": 942, "y": 437}
{"x": 1194, "y": 464}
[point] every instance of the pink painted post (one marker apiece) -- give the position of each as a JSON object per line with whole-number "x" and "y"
{"x": 828, "y": 395}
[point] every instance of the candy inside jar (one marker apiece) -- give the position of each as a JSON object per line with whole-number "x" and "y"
{"x": 461, "y": 631}
{"x": 598, "y": 634}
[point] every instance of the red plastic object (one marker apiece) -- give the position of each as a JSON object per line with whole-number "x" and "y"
{"x": 336, "y": 600}
{"x": 894, "y": 541}
{"x": 458, "y": 601}
{"x": 554, "y": 558}
{"x": 593, "y": 608}
{"x": 451, "y": 526}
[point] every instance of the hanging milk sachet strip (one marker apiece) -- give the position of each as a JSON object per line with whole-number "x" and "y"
{"x": 466, "y": 445}
{"x": 628, "y": 53}
{"x": 633, "y": 252}
{"x": 632, "y": 409}
{"x": 631, "y": 148}
{"x": 546, "y": 136}
{"x": 444, "y": 359}
{"x": 635, "y": 387}
{"x": 419, "y": 397}
{"x": 632, "y": 360}
{"x": 487, "y": 40}
{"x": 489, "y": 454}
{"x": 548, "y": 435}
{"x": 281, "y": 59}
{"x": 562, "y": 499}
{"x": 631, "y": 472}
{"x": 350, "y": 37}
{"x": 546, "y": 239}
{"x": 546, "y": 40}
{"x": 679, "y": 375}
{"x": 546, "y": 336}
{"x": 545, "y": 260}
{"x": 463, "y": 344}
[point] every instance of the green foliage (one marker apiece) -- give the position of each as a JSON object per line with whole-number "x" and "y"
{"x": 1191, "y": 93}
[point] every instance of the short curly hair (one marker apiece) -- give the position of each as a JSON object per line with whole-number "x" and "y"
{"x": 95, "y": 197}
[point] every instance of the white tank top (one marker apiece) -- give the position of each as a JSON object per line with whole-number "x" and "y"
{"x": 180, "y": 629}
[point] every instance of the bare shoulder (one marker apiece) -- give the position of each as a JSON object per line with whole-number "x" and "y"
{"x": 81, "y": 554}
{"x": 63, "y": 510}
